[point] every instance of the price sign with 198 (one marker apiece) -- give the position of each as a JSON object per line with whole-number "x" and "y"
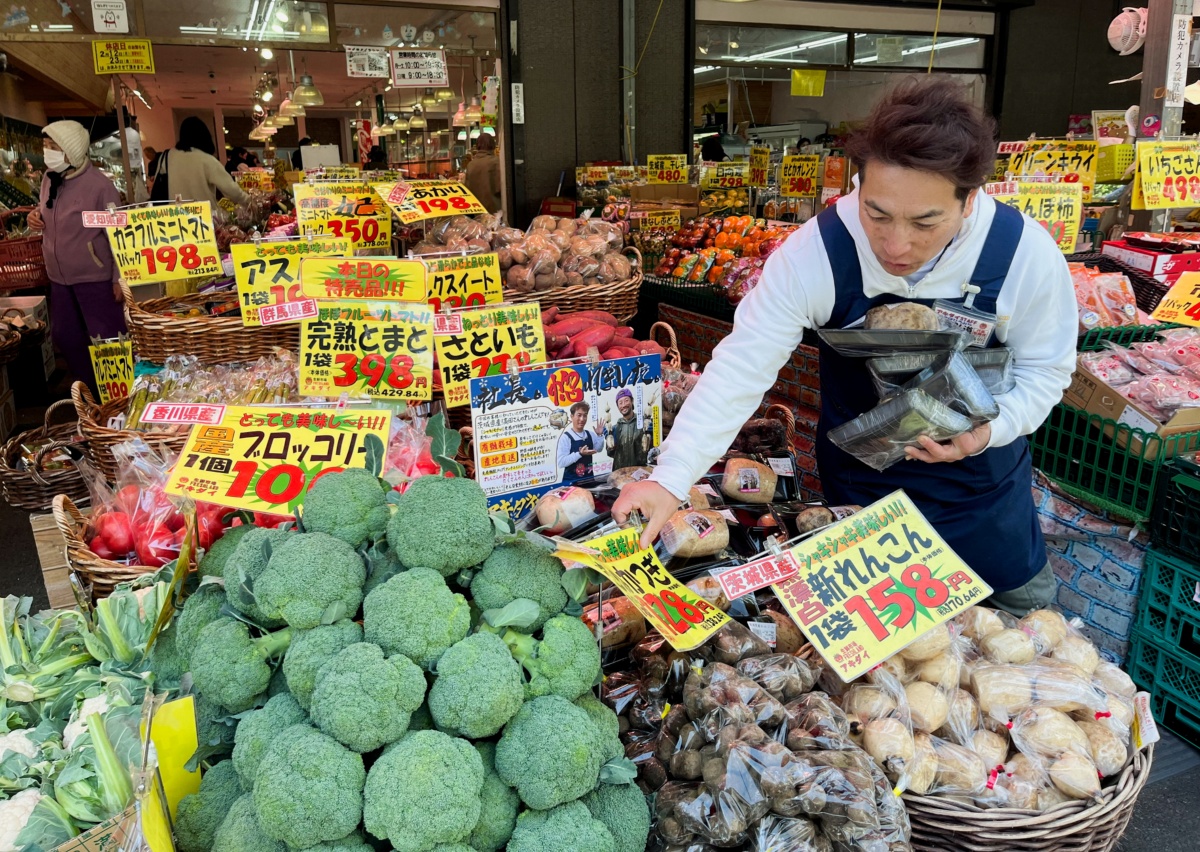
{"x": 430, "y": 199}
{"x": 268, "y": 273}
{"x": 667, "y": 168}
{"x": 166, "y": 242}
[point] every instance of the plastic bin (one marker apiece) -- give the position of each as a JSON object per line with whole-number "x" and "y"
{"x": 1148, "y": 290}
{"x": 1175, "y": 519}
{"x": 1173, "y": 683}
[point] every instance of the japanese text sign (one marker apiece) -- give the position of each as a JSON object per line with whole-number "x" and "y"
{"x": 255, "y": 179}
{"x": 123, "y": 56}
{"x": 1058, "y": 207}
{"x": 268, "y": 273}
{"x": 378, "y": 349}
{"x": 760, "y": 163}
{"x": 465, "y": 281}
{"x": 489, "y": 340}
{"x": 593, "y": 174}
{"x": 648, "y": 220}
{"x": 799, "y": 176}
{"x": 345, "y": 172}
{"x": 112, "y": 362}
{"x": 1075, "y": 161}
{"x": 264, "y": 459}
{"x": 622, "y": 173}
{"x": 742, "y": 580}
{"x": 166, "y": 242}
{"x": 362, "y": 278}
{"x": 366, "y": 61}
{"x": 206, "y": 414}
{"x": 1182, "y": 302}
{"x": 351, "y": 210}
{"x": 725, "y": 175}
{"x": 1170, "y": 174}
{"x": 419, "y": 68}
{"x": 431, "y": 199}
{"x": 873, "y": 583}
{"x": 666, "y": 168}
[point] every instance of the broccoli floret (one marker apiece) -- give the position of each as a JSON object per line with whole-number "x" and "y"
{"x": 500, "y": 804}
{"x": 353, "y": 843}
{"x": 215, "y": 730}
{"x": 452, "y": 847}
{"x": 308, "y": 788}
{"x": 241, "y": 831}
{"x": 623, "y": 810}
{"x": 230, "y": 668}
{"x": 350, "y": 505}
{"x": 479, "y": 687}
{"x": 311, "y": 649}
{"x": 309, "y": 573}
{"x": 212, "y": 564}
{"x": 201, "y": 608}
{"x": 442, "y": 524}
{"x": 278, "y": 684}
{"x": 166, "y": 660}
{"x": 606, "y": 722}
{"x": 521, "y": 570}
{"x": 416, "y": 614}
{"x": 422, "y": 719}
{"x": 201, "y": 814}
{"x": 423, "y": 791}
{"x": 364, "y": 700}
{"x": 569, "y": 826}
{"x": 382, "y": 571}
{"x": 565, "y": 662}
{"x": 258, "y": 730}
{"x": 243, "y": 568}
{"x": 551, "y": 752}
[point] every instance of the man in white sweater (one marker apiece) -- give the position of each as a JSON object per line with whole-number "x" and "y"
{"x": 917, "y": 228}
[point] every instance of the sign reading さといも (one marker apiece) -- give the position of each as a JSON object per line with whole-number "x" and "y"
{"x": 490, "y": 339}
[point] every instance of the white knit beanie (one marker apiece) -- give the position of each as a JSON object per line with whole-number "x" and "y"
{"x": 73, "y": 138}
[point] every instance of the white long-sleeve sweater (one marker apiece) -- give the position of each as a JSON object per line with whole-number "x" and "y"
{"x": 1036, "y": 310}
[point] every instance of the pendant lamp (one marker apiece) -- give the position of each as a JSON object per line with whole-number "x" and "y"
{"x": 307, "y": 94}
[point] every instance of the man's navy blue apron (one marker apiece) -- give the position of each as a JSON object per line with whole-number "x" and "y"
{"x": 583, "y": 467}
{"x": 982, "y": 505}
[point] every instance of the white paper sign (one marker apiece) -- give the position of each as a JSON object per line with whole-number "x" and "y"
{"x": 1177, "y": 63}
{"x": 518, "y": 103}
{"x": 109, "y": 16}
{"x": 419, "y": 68}
{"x": 366, "y": 61}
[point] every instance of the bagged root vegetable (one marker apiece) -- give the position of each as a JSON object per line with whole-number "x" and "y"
{"x": 1002, "y": 691}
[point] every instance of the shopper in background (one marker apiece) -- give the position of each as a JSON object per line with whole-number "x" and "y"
{"x": 712, "y": 151}
{"x": 376, "y": 159}
{"x": 85, "y": 300}
{"x": 190, "y": 170}
{"x": 238, "y": 157}
{"x": 297, "y": 161}
{"x": 483, "y": 173}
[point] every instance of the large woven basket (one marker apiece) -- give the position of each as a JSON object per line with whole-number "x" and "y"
{"x": 100, "y": 574}
{"x": 620, "y": 299}
{"x": 214, "y": 340}
{"x": 22, "y": 263}
{"x": 672, "y": 358}
{"x": 93, "y": 418}
{"x": 36, "y": 488}
{"x": 939, "y": 825}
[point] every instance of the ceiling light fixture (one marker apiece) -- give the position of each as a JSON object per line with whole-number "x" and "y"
{"x": 417, "y": 122}
{"x": 307, "y": 94}
{"x": 474, "y": 113}
{"x": 267, "y": 95}
{"x": 445, "y": 93}
{"x": 400, "y": 125}
{"x": 358, "y": 102}
{"x": 429, "y": 99}
{"x": 267, "y": 53}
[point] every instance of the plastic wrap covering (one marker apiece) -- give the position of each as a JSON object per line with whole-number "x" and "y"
{"x": 993, "y": 366}
{"x": 952, "y": 381}
{"x": 881, "y": 343}
{"x": 879, "y": 437}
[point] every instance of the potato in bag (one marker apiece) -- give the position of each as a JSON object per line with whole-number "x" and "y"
{"x": 748, "y": 481}
{"x": 695, "y": 533}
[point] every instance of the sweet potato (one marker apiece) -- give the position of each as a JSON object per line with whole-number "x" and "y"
{"x": 624, "y": 331}
{"x": 550, "y": 314}
{"x": 649, "y": 347}
{"x": 567, "y": 351}
{"x": 603, "y": 316}
{"x": 617, "y": 352}
{"x": 624, "y": 342}
{"x": 555, "y": 342}
{"x": 572, "y": 327}
{"x": 600, "y": 336}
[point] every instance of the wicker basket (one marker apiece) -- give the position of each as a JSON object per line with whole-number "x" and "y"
{"x": 939, "y": 825}
{"x": 22, "y": 263}
{"x": 100, "y": 574}
{"x": 619, "y": 299}
{"x": 101, "y": 439}
{"x": 214, "y": 340}
{"x": 672, "y": 358}
{"x": 35, "y": 489}
{"x": 30, "y": 337}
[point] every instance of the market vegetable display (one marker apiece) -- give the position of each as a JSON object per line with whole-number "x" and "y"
{"x": 574, "y": 335}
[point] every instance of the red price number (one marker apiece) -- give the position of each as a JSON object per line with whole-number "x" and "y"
{"x": 801, "y": 185}
{"x": 397, "y": 372}
{"x": 1182, "y": 188}
{"x": 168, "y": 257}
{"x": 1193, "y": 312}
{"x": 358, "y": 230}
{"x": 443, "y": 205}
{"x": 758, "y": 177}
{"x": 278, "y": 485}
{"x": 926, "y": 589}
{"x": 734, "y": 181}
{"x": 497, "y": 365}
{"x": 669, "y": 176}
{"x": 472, "y": 300}
{"x": 116, "y": 390}
{"x": 673, "y": 610}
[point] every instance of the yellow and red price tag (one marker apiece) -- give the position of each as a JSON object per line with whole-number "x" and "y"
{"x": 760, "y": 163}
{"x": 490, "y": 340}
{"x": 112, "y": 362}
{"x": 268, "y": 274}
{"x": 344, "y": 209}
{"x": 363, "y": 278}
{"x": 666, "y": 168}
{"x": 264, "y": 459}
{"x": 1169, "y": 173}
{"x": 1058, "y": 207}
{"x": 874, "y": 583}
{"x": 647, "y": 220}
{"x": 361, "y": 348}
{"x": 725, "y": 175}
{"x": 799, "y": 176}
{"x": 166, "y": 242}
{"x": 595, "y": 174}
{"x": 123, "y": 56}
{"x": 468, "y": 281}
{"x": 1074, "y": 161}
{"x": 1182, "y": 302}
{"x": 429, "y": 199}
{"x": 259, "y": 179}
{"x": 622, "y": 174}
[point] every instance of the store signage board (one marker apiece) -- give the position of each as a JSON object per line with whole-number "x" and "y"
{"x": 742, "y": 580}
{"x": 833, "y": 174}
{"x": 489, "y": 341}
{"x": 109, "y": 16}
{"x": 875, "y": 582}
{"x": 666, "y": 168}
{"x": 653, "y": 220}
{"x": 1169, "y": 174}
{"x": 725, "y": 175}
{"x": 255, "y": 179}
{"x": 268, "y": 273}
{"x": 104, "y": 219}
{"x": 1182, "y": 302}
{"x": 419, "y": 68}
{"x": 363, "y": 278}
{"x": 622, "y": 174}
{"x": 123, "y": 56}
{"x": 518, "y": 103}
{"x": 799, "y": 176}
{"x": 760, "y": 164}
{"x": 1177, "y": 60}
{"x": 112, "y": 364}
{"x": 361, "y": 348}
{"x": 1109, "y": 124}
{"x": 366, "y": 61}
{"x": 1057, "y": 207}
{"x": 166, "y": 242}
{"x": 463, "y": 281}
{"x": 1008, "y": 148}
{"x": 432, "y": 199}
{"x": 344, "y": 209}
{"x": 1074, "y": 161}
{"x": 595, "y": 174}
{"x": 264, "y": 458}
{"x": 519, "y": 421}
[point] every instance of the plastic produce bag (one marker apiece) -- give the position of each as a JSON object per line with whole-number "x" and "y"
{"x": 879, "y": 437}
{"x": 785, "y": 834}
{"x": 881, "y": 343}
{"x": 952, "y": 381}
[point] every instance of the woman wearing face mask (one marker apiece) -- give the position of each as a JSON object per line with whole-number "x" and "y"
{"x": 85, "y": 300}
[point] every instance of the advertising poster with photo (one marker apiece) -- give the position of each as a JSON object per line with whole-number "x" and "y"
{"x": 547, "y": 427}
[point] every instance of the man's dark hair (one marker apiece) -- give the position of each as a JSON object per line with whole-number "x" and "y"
{"x": 194, "y": 133}
{"x": 580, "y": 406}
{"x": 927, "y": 124}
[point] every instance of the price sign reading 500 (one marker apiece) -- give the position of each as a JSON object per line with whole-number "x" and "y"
{"x": 799, "y": 176}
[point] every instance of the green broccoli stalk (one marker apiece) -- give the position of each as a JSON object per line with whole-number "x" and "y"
{"x": 243, "y": 568}
{"x": 365, "y": 700}
{"x": 116, "y": 787}
{"x": 242, "y": 832}
{"x": 310, "y": 650}
{"x": 290, "y": 589}
{"x": 521, "y": 570}
{"x": 551, "y": 752}
{"x": 230, "y": 667}
{"x": 568, "y": 826}
{"x": 350, "y": 505}
{"x": 441, "y": 524}
{"x": 565, "y": 662}
{"x": 479, "y": 687}
{"x": 200, "y": 815}
{"x": 623, "y": 810}
{"x": 258, "y": 730}
{"x": 416, "y": 614}
{"x": 499, "y": 806}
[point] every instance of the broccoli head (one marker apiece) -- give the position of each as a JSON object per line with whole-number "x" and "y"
{"x": 568, "y": 826}
{"x": 422, "y": 719}
{"x": 212, "y": 564}
{"x": 442, "y": 524}
{"x": 243, "y": 568}
{"x": 201, "y": 814}
{"x": 551, "y": 752}
{"x": 623, "y": 810}
{"x": 166, "y": 660}
{"x": 308, "y": 788}
{"x": 350, "y": 505}
{"x": 416, "y": 614}
{"x": 364, "y": 700}
{"x": 381, "y": 571}
{"x": 565, "y": 662}
{"x": 241, "y": 831}
{"x": 351, "y": 843}
{"x": 606, "y": 722}
{"x": 258, "y": 730}
{"x": 230, "y": 667}
{"x": 424, "y": 790}
{"x": 202, "y": 607}
{"x": 500, "y": 804}
{"x": 215, "y": 731}
{"x": 453, "y": 847}
{"x": 311, "y": 649}
{"x": 309, "y": 573}
{"x": 479, "y": 687}
{"x": 521, "y": 570}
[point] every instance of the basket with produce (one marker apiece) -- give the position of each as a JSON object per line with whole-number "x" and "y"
{"x": 35, "y": 466}
{"x": 21, "y": 262}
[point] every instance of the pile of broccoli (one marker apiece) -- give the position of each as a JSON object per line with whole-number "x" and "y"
{"x": 388, "y": 675}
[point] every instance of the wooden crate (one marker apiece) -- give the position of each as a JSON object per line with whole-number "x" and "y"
{"x": 52, "y": 554}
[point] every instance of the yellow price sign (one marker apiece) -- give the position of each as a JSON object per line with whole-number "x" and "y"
{"x": 595, "y": 174}
{"x": 268, "y": 273}
{"x": 377, "y": 349}
{"x": 344, "y": 209}
{"x": 488, "y": 342}
{"x": 468, "y": 281}
{"x": 1058, "y": 207}
{"x": 1170, "y": 174}
{"x": 123, "y": 56}
{"x": 647, "y": 220}
{"x": 1074, "y": 161}
{"x": 799, "y": 176}
{"x": 760, "y": 164}
{"x": 429, "y": 199}
{"x": 265, "y": 458}
{"x": 112, "y": 363}
{"x": 166, "y": 242}
{"x": 1182, "y": 302}
{"x": 725, "y": 175}
{"x": 666, "y": 168}
{"x": 363, "y": 278}
{"x": 874, "y": 583}
{"x": 622, "y": 174}
{"x": 256, "y": 179}
{"x": 342, "y": 173}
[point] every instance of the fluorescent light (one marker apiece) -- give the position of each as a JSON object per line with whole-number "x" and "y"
{"x": 700, "y": 69}
{"x": 961, "y": 42}
{"x": 250, "y": 23}
{"x": 198, "y": 30}
{"x": 807, "y": 45}
{"x": 60, "y": 27}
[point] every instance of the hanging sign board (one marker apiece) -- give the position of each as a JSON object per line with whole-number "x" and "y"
{"x": 429, "y": 199}
{"x": 1169, "y": 174}
{"x": 486, "y": 343}
{"x": 166, "y": 242}
{"x": 366, "y": 61}
{"x": 799, "y": 176}
{"x": 268, "y": 273}
{"x": 123, "y": 56}
{"x": 464, "y": 281}
{"x": 109, "y": 16}
{"x": 1074, "y": 161}
{"x": 725, "y": 175}
{"x": 760, "y": 163}
{"x": 411, "y": 68}
{"x": 363, "y": 278}
{"x": 351, "y": 210}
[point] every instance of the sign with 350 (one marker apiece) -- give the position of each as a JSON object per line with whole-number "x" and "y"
{"x": 343, "y": 209}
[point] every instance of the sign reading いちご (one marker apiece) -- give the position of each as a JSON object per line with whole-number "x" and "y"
{"x": 363, "y": 278}
{"x": 112, "y": 363}
{"x": 1169, "y": 174}
{"x": 798, "y": 179}
{"x": 268, "y": 273}
{"x": 166, "y": 242}
{"x": 1182, "y": 302}
{"x": 463, "y": 281}
{"x": 344, "y": 209}
{"x": 490, "y": 339}
{"x": 429, "y": 199}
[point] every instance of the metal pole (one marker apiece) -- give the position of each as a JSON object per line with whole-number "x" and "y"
{"x": 129, "y": 188}
{"x": 629, "y": 82}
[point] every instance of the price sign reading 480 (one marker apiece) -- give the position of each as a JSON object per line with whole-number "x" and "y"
{"x": 799, "y": 176}
{"x": 166, "y": 242}
{"x": 667, "y": 168}
{"x": 874, "y": 583}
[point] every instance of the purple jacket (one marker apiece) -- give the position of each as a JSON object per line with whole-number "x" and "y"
{"x": 75, "y": 254}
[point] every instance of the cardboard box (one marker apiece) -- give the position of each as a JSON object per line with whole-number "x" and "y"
{"x": 682, "y": 194}
{"x": 1090, "y": 394}
{"x": 35, "y": 306}
{"x": 52, "y": 555}
{"x": 1157, "y": 263}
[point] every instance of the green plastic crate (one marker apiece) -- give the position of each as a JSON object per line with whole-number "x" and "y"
{"x": 1167, "y": 610}
{"x": 1175, "y": 521}
{"x": 1173, "y": 683}
{"x": 1096, "y": 339}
